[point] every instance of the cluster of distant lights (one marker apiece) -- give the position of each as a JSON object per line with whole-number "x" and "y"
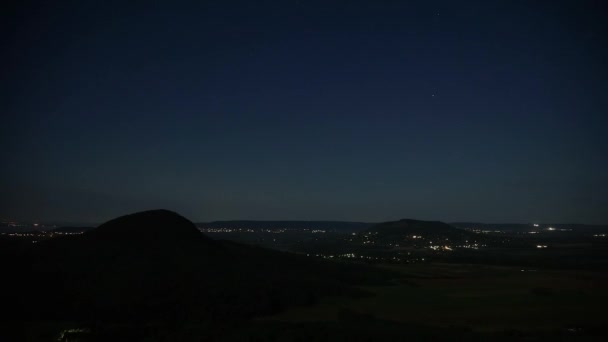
{"x": 66, "y": 332}
{"x": 353, "y": 256}
{"x": 535, "y": 225}
{"x": 226, "y": 230}
{"x": 266, "y": 230}
{"x": 551, "y": 229}
{"x": 21, "y": 234}
{"x": 40, "y": 234}
{"x": 437, "y": 247}
{"x": 36, "y": 234}
{"x": 471, "y": 246}
{"x": 441, "y": 248}
{"x": 15, "y": 224}
{"x": 475, "y": 230}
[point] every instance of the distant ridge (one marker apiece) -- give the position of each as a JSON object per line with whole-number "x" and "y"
{"x": 413, "y": 226}
{"x": 397, "y": 230}
{"x": 338, "y": 226}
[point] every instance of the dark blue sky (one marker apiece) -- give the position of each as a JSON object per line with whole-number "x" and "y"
{"x": 345, "y": 110}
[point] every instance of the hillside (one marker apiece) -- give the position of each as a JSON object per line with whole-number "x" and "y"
{"x": 148, "y": 227}
{"x": 155, "y": 273}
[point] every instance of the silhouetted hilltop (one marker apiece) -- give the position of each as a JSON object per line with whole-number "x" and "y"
{"x": 153, "y": 225}
{"x": 155, "y": 271}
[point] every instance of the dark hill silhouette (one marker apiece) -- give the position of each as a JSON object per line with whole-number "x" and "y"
{"x": 153, "y": 225}
{"x": 155, "y": 273}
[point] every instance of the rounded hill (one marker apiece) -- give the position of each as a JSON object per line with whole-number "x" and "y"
{"x": 152, "y": 225}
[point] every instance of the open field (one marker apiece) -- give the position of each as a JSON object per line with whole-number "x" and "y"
{"x": 484, "y": 298}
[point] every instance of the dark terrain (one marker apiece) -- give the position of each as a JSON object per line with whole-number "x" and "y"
{"x": 154, "y": 276}
{"x": 150, "y": 274}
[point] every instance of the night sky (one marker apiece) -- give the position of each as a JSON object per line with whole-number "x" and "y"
{"x": 492, "y": 111}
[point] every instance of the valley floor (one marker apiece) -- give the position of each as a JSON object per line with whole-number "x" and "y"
{"x": 478, "y": 297}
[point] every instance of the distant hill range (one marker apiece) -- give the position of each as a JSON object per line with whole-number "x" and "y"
{"x": 409, "y": 229}
{"x": 337, "y": 226}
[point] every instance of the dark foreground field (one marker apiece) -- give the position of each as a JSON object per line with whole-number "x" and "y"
{"x": 132, "y": 279}
{"x": 478, "y": 298}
